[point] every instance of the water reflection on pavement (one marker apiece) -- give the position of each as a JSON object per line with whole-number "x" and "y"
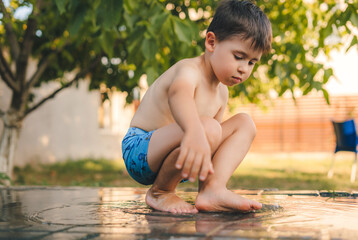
{"x": 121, "y": 213}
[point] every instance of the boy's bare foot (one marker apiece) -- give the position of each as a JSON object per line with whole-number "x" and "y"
{"x": 224, "y": 200}
{"x": 168, "y": 202}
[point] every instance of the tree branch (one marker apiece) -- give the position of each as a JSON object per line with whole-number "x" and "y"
{"x": 75, "y": 79}
{"x": 30, "y": 30}
{"x": 41, "y": 67}
{"x": 37, "y": 11}
{"x": 44, "y": 62}
{"x": 14, "y": 45}
{"x": 6, "y": 73}
{"x": 26, "y": 48}
{"x": 27, "y": 43}
{"x": 2, "y": 113}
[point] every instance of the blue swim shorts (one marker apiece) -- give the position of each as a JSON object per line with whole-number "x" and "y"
{"x": 134, "y": 149}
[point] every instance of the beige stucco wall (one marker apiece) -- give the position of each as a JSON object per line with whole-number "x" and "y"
{"x": 67, "y": 126}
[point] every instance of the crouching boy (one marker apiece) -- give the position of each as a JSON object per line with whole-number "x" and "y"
{"x": 177, "y": 132}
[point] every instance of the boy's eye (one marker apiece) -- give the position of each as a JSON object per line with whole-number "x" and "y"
{"x": 237, "y": 57}
{"x": 251, "y": 63}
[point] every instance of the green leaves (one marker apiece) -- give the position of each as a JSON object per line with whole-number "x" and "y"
{"x": 80, "y": 14}
{"x": 149, "y": 48}
{"x": 354, "y": 42}
{"x": 326, "y": 95}
{"x": 149, "y": 36}
{"x": 4, "y": 178}
{"x": 354, "y": 18}
{"x": 157, "y": 21}
{"x": 152, "y": 74}
{"x": 109, "y": 13}
{"x": 61, "y": 5}
{"x": 182, "y": 30}
{"x": 107, "y": 40}
{"x": 154, "y": 37}
{"x": 327, "y": 74}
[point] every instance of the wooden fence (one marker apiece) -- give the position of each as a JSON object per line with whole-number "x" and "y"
{"x": 304, "y": 126}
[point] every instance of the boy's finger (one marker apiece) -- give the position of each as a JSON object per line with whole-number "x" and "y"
{"x": 204, "y": 170}
{"x": 181, "y": 158}
{"x": 211, "y": 168}
{"x": 195, "y": 168}
{"x": 187, "y": 164}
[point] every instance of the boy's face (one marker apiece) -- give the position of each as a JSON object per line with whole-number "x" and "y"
{"x": 232, "y": 59}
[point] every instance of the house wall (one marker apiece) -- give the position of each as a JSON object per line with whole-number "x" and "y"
{"x": 67, "y": 126}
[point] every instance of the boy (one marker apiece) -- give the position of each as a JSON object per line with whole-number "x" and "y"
{"x": 177, "y": 132}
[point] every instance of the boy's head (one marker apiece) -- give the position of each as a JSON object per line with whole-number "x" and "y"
{"x": 243, "y": 19}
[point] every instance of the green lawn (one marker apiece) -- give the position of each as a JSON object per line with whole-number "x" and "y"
{"x": 256, "y": 172}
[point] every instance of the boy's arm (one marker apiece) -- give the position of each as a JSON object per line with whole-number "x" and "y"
{"x": 224, "y": 98}
{"x": 195, "y": 153}
{"x": 219, "y": 116}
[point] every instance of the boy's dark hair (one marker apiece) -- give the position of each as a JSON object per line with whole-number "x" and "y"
{"x": 244, "y": 19}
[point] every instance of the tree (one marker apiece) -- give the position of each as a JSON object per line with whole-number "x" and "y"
{"x": 117, "y": 41}
{"x": 114, "y": 41}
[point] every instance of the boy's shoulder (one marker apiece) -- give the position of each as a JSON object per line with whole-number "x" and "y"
{"x": 188, "y": 66}
{"x": 190, "y": 69}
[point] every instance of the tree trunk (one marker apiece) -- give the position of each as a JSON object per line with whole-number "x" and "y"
{"x": 8, "y": 143}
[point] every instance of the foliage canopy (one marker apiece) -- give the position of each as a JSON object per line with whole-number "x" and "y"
{"x": 122, "y": 40}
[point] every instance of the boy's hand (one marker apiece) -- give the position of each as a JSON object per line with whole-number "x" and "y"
{"x": 195, "y": 156}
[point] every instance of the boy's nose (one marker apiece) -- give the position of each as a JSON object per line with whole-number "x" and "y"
{"x": 242, "y": 68}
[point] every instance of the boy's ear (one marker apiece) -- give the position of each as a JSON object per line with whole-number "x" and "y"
{"x": 210, "y": 41}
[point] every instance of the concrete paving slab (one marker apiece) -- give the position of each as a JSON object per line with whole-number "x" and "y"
{"x": 20, "y": 235}
{"x": 121, "y": 213}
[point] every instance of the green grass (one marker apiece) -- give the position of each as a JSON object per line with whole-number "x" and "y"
{"x": 256, "y": 172}
{"x": 294, "y": 173}
{"x": 83, "y": 172}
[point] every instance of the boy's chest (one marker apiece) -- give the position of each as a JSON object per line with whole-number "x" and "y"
{"x": 207, "y": 104}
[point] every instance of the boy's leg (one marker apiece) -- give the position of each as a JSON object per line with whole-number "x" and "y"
{"x": 163, "y": 151}
{"x": 161, "y": 196}
{"x": 164, "y": 140}
{"x": 238, "y": 134}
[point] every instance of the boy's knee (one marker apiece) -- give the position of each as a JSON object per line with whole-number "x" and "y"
{"x": 245, "y": 122}
{"x": 213, "y": 131}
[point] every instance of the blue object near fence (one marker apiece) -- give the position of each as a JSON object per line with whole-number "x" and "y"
{"x": 346, "y": 140}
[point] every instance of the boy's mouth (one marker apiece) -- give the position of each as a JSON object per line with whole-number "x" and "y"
{"x": 237, "y": 79}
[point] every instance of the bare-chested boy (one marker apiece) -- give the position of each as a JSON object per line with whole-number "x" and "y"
{"x": 177, "y": 132}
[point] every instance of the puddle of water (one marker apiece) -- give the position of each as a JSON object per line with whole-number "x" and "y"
{"x": 122, "y": 212}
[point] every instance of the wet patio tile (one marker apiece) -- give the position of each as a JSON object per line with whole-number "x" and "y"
{"x": 121, "y": 213}
{"x": 4, "y": 226}
{"x": 69, "y": 236}
{"x": 20, "y": 235}
{"x": 43, "y": 228}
